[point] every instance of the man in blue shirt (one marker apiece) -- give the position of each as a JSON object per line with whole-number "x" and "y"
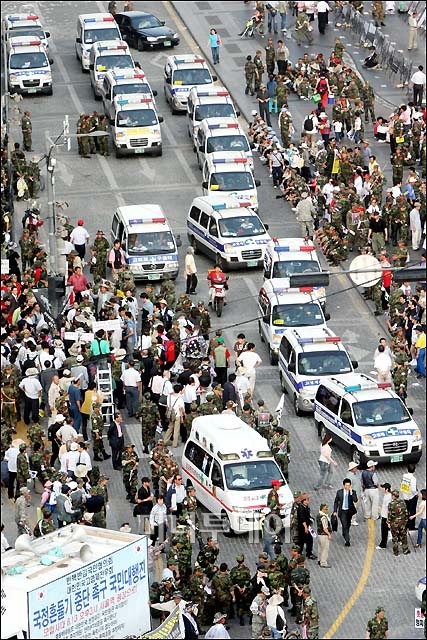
{"x": 75, "y": 396}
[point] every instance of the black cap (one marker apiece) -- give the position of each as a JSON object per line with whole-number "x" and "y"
{"x": 386, "y": 485}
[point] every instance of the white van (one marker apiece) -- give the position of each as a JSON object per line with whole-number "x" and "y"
{"x": 208, "y": 103}
{"x": 367, "y": 419}
{"x": 23, "y": 24}
{"x": 28, "y": 66}
{"x": 229, "y": 173}
{"x": 180, "y": 74}
{"x": 280, "y": 309}
{"x": 285, "y": 257}
{"x": 136, "y": 126}
{"x": 93, "y": 27}
{"x": 121, "y": 82}
{"x": 105, "y": 56}
{"x": 221, "y": 134}
{"x": 228, "y": 231}
{"x": 231, "y": 467}
{"x": 148, "y": 241}
{"x": 306, "y": 356}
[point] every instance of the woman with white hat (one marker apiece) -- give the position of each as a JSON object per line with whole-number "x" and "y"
{"x": 275, "y": 616}
{"x": 218, "y": 629}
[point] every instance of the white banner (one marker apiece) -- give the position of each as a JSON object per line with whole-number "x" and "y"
{"x": 107, "y": 325}
{"x": 107, "y": 598}
{"x": 76, "y": 336}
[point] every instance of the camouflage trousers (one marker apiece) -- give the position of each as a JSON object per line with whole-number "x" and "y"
{"x": 399, "y": 534}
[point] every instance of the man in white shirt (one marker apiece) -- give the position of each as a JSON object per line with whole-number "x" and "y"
{"x": 175, "y": 407}
{"x": 70, "y": 460}
{"x": 383, "y": 364}
{"x": 132, "y": 384}
{"x": 80, "y": 237}
{"x": 418, "y": 81}
{"x": 10, "y": 456}
{"x": 322, "y": 15}
{"x": 386, "y": 487}
{"x": 66, "y": 432}
{"x": 32, "y": 389}
{"x": 250, "y": 360}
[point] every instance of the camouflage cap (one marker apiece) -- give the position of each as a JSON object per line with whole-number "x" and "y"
{"x": 295, "y": 547}
{"x": 46, "y": 512}
{"x": 300, "y": 558}
{"x": 379, "y": 610}
{"x": 147, "y": 395}
{"x": 240, "y": 557}
{"x": 395, "y": 492}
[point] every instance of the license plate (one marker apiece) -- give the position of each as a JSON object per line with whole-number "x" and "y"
{"x": 396, "y": 458}
{"x": 139, "y": 150}
{"x": 31, "y": 90}
{"x": 252, "y": 263}
{"x": 154, "y": 276}
{"x": 167, "y": 43}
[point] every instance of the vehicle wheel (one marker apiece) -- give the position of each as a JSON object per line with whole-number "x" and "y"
{"x": 272, "y": 356}
{"x": 358, "y": 457}
{"x": 118, "y": 154}
{"x": 225, "y": 526}
{"x": 297, "y": 410}
{"x": 323, "y": 432}
{"x": 282, "y": 384}
{"x": 140, "y": 45}
{"x": 77, "y": 57}
{"x": 193, "y": 243}
{"x": 49, "y": 92}
{"x": 219, "y": 307}
{"x": 158, "y": 153}
{"x": 260, "y": 332}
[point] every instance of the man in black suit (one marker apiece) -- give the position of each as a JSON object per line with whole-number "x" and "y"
{"x": 229, "y": 392}
{"x": 371, "y": 61}
{"x": 116, "y": 440}
{"x": 344, "y": 507}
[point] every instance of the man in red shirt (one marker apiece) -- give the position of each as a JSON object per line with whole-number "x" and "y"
{"x": 79, "y": 283}
{"x": 215, "y": 276}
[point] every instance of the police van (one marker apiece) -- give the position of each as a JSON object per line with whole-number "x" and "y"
{"x": 91, "y": 28}
{"x": 136, "y": 126}
{"x": 208, "y": 103}
{"x": 180, "y": 74}
{"x": 367, "y": 419}
{"x": 230, "y": 173}
{"x": 228, "y": 231}
{"x": 105, "y": 56}
{"x": 124, "y": 81}
{"x": 281, "y": 309}
{"x": 28, "y": 66}
{"x": 306, "y": 356}
{"x": 285, "y": 257}
{"x": 24, "y": 24}
{"x": 221, "y": 134}
{"x": 147, "y": 240}
{"x": 231, "y": 467}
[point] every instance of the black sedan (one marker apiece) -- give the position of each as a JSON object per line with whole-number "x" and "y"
{"x": 144, "y": 31}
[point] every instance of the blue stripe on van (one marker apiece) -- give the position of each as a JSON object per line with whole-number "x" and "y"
{"x": 336, "y": 422}
{"x": 161, "y": 257}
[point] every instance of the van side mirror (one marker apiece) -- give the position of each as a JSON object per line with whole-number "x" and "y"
{"x": 178, "y": 241}
{"x": 91, "y": 67}
{"x": 168, "y": 80}
{"x": 161, "y": 118}
{"x": 78, "y": 40}
{"x": 237, "y": 114}
{"x": 162, "y": 22}
{"x": 327, "y": 317}
{"x": 252, "y": 145}
{"x": 47, "y": 34}
{"x": 354, "y": 364}
{"x": 291, "y": 367}
{"x": 201, "y": 148}
{"x": 51, "y": 61}
{"x": 266, "y": 227}
{"x": 410, "y": 411}
{"x": 257, "y": 183}
{"x": 154, "y": 92}
{"x": 266, "y": 319}
{"x": 214, "y": 78}
{"x": 204, "y": 185}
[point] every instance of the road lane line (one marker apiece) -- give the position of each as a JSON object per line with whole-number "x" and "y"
{"x": 370, "y": 547}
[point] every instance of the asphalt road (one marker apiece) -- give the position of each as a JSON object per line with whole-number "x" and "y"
{"x": 95, "y": 187}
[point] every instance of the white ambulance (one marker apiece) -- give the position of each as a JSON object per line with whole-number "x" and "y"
{"x": 124, "y": 81}
{"x": 136, "y": 126}
{"x": 105, "y": 56}
{"x": 231, "y": 467}
{"x": 180, "y": 74}
{"x": 230, "y": 174}
{"x": 221, "y": 134}
{"x": 24, "y": 24}
{"x": 91, "y": 28}
{"x": 208, "y": 103}
{"x": 28, "y": 66}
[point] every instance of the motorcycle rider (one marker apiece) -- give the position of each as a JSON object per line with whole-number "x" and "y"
{"x": 216, "y": 276}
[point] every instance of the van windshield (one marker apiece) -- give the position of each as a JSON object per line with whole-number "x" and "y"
{"x": 227, "y": 143}
{"x": 117, "y": 61}
{"x": 233, "y": 181}
{"x": 190, "y": 77}
{"x": 248, "y": 476}
{"x": 96, "y": 35}
{"x": 137, "y": 87}
{"x": 382, "y": 412}
{"x": 136, "y": 118}
{"x": 297, "y": 315}
{"x": 241, "y": 226}
{"x": 34, "y": 32}
{"x": 220, "y": 110}
{"x": 28, "y": 60}
{"x": 323, "y": 363}
{"x": 152, "y": 243}
{"x": 286, "y": 269}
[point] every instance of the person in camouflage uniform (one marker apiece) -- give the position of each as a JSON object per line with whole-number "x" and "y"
{"x": 9, "y": 389}
{"x": 368, "y": 97}
{"x": 223, "y": 590}
{"x": 281, "y": 94}
{"x": 103, "y": 140}
{"x": 130, "y": 461}
{"x": 338, "y": 49}
{"x": 205, "y": 319}
{"x": 27, "y": 131}
{"x": 27, "y": 244}
{"x": 207, "y": 557}
{"x": 397, "y": 163}
{"x": 35, "y": 433}
{"x": 185, "y": 552}
{"x": 302, "y": 28}
{"x": 37, "y": 458}
{"x": 397, "y": 518}
{"x": 84, "y": 129}
{"x": 270, "y": 56}
{"x": 400, "y": 257}
{"x": 97, "y": 426}
{"x": 400, "y": 375}
{"x": 377, "y": 627}
{"x": 45, "y": 525}
{"x": 22, "y": 467}
{"x": 149, "y": 414}
{"x": 259, "y": 69}
{"x": 416, "y": 130}
{"x": 310, "y": 613}
{"x": 276, "y": 577}
{"x": 285, "y": 122}
{"x": 240, "y": 577}
{"x": 208, "y": 408}
{"x": 283, "y": 566}
{"x": 378, "y": 181}
{"x": 280, "y": 446}
{"x": 300, "y": 577}
{"x": 293, "y": 516}
{"x": 196, "y": 591}
{"x": 167, "y": 291}
{"x": 125, "y": 280}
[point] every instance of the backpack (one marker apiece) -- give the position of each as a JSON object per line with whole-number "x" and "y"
{"x": 308, "y": 124}
{"x": 279, "y": 623}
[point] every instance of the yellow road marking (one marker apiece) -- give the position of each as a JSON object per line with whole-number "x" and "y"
{"x": 360, "y": 585}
